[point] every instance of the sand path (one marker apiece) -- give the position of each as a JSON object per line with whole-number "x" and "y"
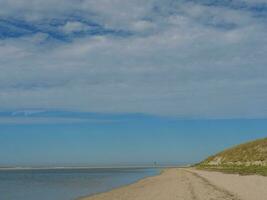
{"x": 172, "y": 184}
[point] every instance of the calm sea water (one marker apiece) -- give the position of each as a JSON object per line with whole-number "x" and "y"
{"x": 65, "y": 184}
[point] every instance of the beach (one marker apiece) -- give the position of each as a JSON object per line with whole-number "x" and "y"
{"x": 190, "y": 184}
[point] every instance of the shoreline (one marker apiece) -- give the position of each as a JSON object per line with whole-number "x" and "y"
{"x": 84, "y": 197}
{"x": 123, "y": 186}
{"x": 48, "y": 167}
{"x": 70, "y": 168}
{"x": 188, "y": 184}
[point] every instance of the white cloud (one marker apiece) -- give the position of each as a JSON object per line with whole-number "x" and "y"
{"x": 189, "y": 63}
{"x": 254, "y": 1}
{"x": 49, "y": 120}
{"x": 72, "y": 27}
{"x": 142, "y": 25}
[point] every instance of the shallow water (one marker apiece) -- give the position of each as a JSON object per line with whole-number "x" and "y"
{"x": 65, "y": 184}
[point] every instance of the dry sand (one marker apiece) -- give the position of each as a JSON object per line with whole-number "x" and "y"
{"x": 188, "y": 184}
{"x": 251, "y": 187}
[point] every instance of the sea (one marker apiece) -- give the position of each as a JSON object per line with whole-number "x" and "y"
{"x": 66, "y": 184}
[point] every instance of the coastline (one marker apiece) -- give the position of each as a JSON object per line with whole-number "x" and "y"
{"x": 189, "y": 184}
{"x": 121, "y": 187}
{"x": 161, "y": 170}
{"x": 78, "y": 167}
{"x": 66, "y": 183}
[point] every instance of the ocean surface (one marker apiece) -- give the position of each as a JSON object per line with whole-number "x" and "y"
{"x": 65, "y": 184}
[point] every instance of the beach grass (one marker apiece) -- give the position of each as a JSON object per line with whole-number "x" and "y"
{"x": 247, "y": 152}
{"x": 245, "y": 159}
{"x": 236, "y": 169}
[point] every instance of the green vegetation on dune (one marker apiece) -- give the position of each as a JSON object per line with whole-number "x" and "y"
{"x": 248, "y": 158}
{"x": 236, "y": 169}
{"x": 248, "y": 152}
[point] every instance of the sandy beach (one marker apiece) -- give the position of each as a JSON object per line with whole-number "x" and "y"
{"x": 190, "y": 184}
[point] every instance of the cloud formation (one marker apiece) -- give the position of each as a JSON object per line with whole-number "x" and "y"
{"x": 192, "y": 59}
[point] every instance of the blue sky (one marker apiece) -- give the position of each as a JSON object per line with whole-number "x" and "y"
{"x": 112, "y": 74}
{"x": 130, "y": 140}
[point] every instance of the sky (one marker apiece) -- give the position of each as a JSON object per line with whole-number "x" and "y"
{"x": 103, "y": 82}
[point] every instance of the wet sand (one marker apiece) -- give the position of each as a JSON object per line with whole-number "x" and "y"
{"x": 190, "y": 184}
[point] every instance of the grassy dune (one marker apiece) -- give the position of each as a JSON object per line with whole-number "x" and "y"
{"x": 248, "y": 158}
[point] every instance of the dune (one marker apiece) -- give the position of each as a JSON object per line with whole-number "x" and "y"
{"x": 247, "y": 159}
